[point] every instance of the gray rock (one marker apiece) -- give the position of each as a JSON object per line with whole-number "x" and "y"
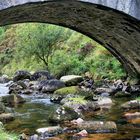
{"x": 98, "y": 126}
{"x": 49, "y": 131}
{"x": 63, "y": 114}
{"x": 105, "y": 90}
{"x": 104, "y": 101}
{"x": 4, "y": 79}
{"x": 21, "y": 75}
{"x": 42, "y": 75}
{"x": 71, "y": 80}
{"x": 51, "y": 85}
{"x": 34, "y": 137}
{"x": 131, "y": 116}
{"x": 12, "y": 99}
{"x": 133, "y": 104}
{"x": 5, "y": 117}
{"x": 80, "y": 105}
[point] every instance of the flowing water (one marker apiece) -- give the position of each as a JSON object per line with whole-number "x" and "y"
{"x": 34, "y": 114}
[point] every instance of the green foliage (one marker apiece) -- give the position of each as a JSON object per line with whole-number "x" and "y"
{"x": 2, "y": 33}
{"x": 138, "y": 98}
{"x": 7, "y": 136}
{"x": 62, "y": 51}
{"x": 41, "y": 40}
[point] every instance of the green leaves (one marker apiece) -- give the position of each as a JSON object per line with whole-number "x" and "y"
{"x": 62, "y": 51}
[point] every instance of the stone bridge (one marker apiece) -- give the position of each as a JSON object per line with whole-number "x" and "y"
{"x": 115, "y": 24}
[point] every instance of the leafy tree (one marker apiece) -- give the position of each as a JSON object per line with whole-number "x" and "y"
{"x": 42, "y": 40}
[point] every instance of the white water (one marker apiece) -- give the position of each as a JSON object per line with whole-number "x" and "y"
{"x": 3, "y": 90}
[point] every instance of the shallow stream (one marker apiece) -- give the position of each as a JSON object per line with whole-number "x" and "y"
{"x": 34, "y": 114}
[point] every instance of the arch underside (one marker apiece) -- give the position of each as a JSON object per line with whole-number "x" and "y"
{"x": 117, "y": 32}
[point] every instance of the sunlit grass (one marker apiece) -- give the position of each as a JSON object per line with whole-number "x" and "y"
{"x": 8, "y": 136}
{"x": 138, "y": 98}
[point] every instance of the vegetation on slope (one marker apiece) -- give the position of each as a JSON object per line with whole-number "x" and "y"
{"x": 33, "y": 46}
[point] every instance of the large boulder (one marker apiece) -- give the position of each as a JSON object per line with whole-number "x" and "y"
{"x": 51, "y": 85}
{"x": 130, "y": 116}
{"x": 98, "y": 126}
{"x": 21, "y": 75}
{"x": 79, "y": 104}
{"x": 104, "y": 101}
{"x": 133, "y": 104}
{"x": 5, "y": 117}
{"x": 49, "y": 131}
{"x": 108, "y": 90}
{"x": 4, "y": 79}
{"x": 42, "y": 75}
{"x": 63, "y": 114}
{"x": 12, "y": 99}
{"x": 71, "y": 80}
{"x": 15, "y": 88}
{"x": 133, "y": 118}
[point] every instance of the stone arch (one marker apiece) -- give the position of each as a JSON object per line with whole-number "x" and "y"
{"x": 116, "y": 31}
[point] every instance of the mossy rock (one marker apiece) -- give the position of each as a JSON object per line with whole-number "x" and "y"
{"x": 74, "y": 99}
{"x": 67, "y": 90}
{"x": 73, "y": 90}
{"x": 12, "y": 99}
{"x": 71, "y": 80}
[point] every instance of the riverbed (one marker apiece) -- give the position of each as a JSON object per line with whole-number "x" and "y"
{"x": 33, "y": 114}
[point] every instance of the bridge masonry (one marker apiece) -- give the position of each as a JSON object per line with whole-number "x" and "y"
{"x": 130, "y": 7}
{"x": 117, "y": 29}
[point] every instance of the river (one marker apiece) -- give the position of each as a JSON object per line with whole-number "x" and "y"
{"x": 34, "y": 114}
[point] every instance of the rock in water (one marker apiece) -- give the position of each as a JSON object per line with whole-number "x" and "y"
{"x": 12, "y": 99}
{"x": 105, "y": 90}
{"x": 51, "y": 85}
{"x": 104, "y": 101}
{"x": 4, "y": 79}
{"x": 21, "y": 75}
{"x": 98, "y": 126}
{"x": 63, "y": 114}
{"x": 50, "y": 131}
{"x": 132, "y": 115}
{"x": 134, "y": 104}
{"x": 5, "y": 117}
{"x": 71, "y": 80}
{"x": 82, "y": 133}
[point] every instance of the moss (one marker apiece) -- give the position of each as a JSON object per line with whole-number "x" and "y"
{"x": 67, "y": 90}
{"x": 79, "y": 99}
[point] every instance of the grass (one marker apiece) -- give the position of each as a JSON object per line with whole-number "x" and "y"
{"x": 7, "y": 136}
{"x": 67, "y": 90}
{"x": 78, "y": 100}
{"x": 138, "y": 98}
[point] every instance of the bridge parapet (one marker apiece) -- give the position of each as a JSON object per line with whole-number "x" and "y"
{"x": 130, "y": 7}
